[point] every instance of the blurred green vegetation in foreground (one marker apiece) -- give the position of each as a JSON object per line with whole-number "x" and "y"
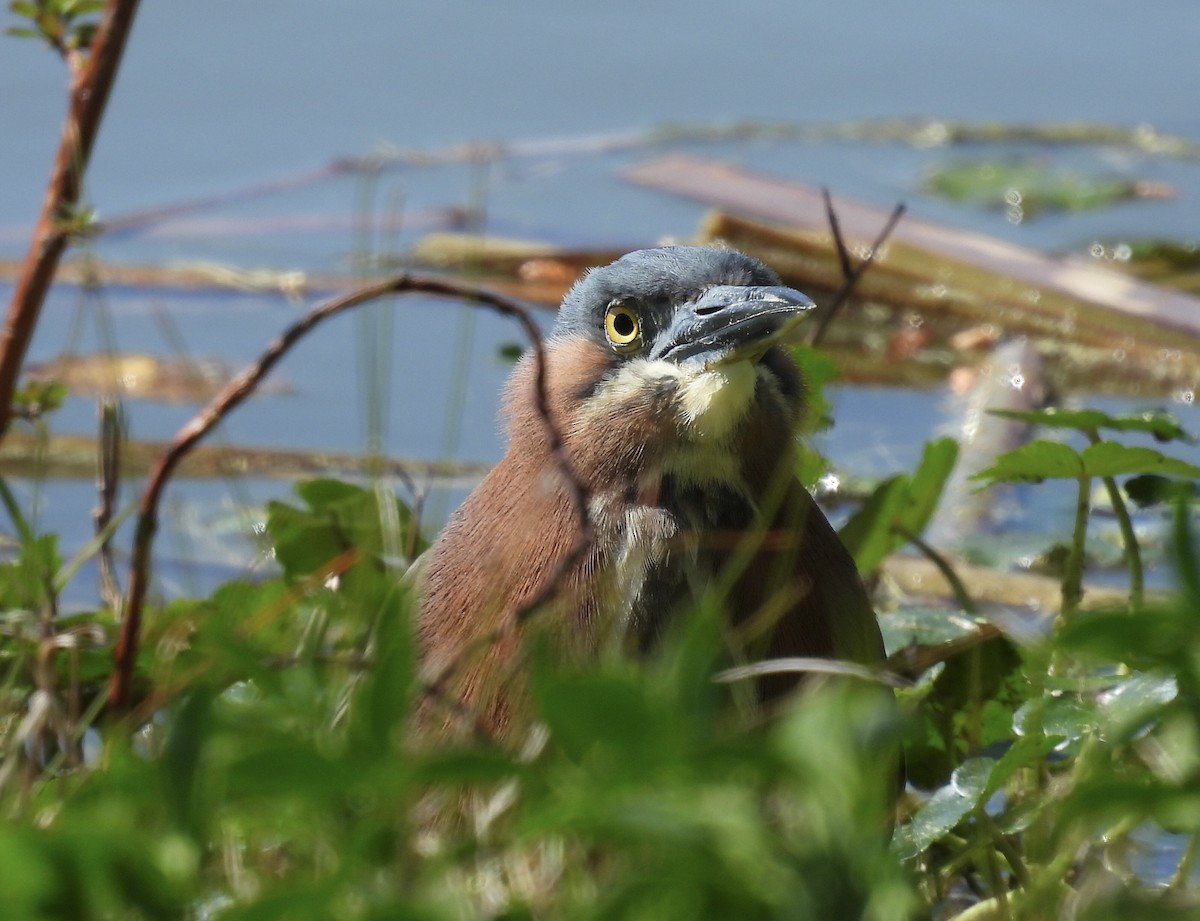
{"x": 274, "y": 768}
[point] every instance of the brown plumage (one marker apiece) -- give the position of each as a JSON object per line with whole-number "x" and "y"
{"x": 677, "y": 407}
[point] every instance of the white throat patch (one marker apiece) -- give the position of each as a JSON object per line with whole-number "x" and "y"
{"x": 712, "y": 402}
{"x": 707, "y": 404}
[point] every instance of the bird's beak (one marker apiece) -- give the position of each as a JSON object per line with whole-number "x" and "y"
{"x": 731, "y": 323}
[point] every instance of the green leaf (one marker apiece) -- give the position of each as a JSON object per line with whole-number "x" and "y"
{"x": 1081, "y": 420}
{"x": 340, "y": 517}
{"x": 50, "y": 24}
{"x": 869, "y": 535}
{"x": 76, "y": 8}
{"x": 181, "y": 760}
{"x": 1159, "y": 423}
{"x": 1148, "y": 490}
{"x": 1135, "y": 701}
{"x": 946, "y": 808}
{"x": 1153, "y": 637}
{"x": 969, "y": 706}
{"x": 31, "y": 881}
{"x": 1032, "y": 462}
{"x": 40, "y": 397}
{"x": 587, "y": 710}
{"x": 1064, "y": 717}
{"x": 304, "y": 542}
{"x": 287, "y": 769}
{"x": 82, "y": 35}
{"x": 27, "y": 582}
{"x": 928, "y": 481}
{"x": 329, "y": 495}
{"x": 924, "y": 626}
{"x": 510, "y": 352}
{"x": 1109, "y": 798}
{"x": 1041, "y": 460}
{"x": 1108, "y": 458}
{"x": 467, "y": 766}
{"x": 20, "y": 8}
{"x": 382, "y": 703}
{"x": 1024, "y": 752}
{"x": 816, "y": 370}
{"x": 899, "y": 506}
{"x": 302, "y": 900}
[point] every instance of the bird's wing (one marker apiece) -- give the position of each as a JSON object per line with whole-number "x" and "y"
{"x": 801, "y": 594}
{"x": 493, "y": 558}
{"x": 809, "y": 590}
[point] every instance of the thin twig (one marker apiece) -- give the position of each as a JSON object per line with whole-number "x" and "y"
{"x": 108, "y": 486}
{"x": 137, "y": 220}
{"x": 850, "y": 276}
{"x": 835, "y": 228}
{"x": 961, "y": 595}
{"x": 90, "y": 89}
{"x": 244, "y": 384}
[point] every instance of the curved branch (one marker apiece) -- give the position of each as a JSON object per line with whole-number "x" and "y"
{"x": 237, "y": 390}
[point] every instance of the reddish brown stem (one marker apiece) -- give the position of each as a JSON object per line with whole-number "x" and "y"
{"x": 90, "y": 87}
{"x": 243, "y": 386}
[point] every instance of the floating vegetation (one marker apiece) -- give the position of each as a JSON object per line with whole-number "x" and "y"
{"x": 1026, "y": 187}
{"x": 1173, "y": 263}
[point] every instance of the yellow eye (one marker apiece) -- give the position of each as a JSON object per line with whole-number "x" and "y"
{"x": 623, "y": 328}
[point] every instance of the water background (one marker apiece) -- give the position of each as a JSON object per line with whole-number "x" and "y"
{"x": 220, "y": 96}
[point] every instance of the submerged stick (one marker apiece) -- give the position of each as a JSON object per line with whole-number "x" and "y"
{"x": 74, "y": 457}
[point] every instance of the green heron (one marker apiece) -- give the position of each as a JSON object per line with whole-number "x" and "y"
{"x": 677, "y": 405}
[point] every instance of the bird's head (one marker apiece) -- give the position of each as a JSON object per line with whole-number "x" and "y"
{"x": 663, "y": 361}
{"x": 695, "y": 307}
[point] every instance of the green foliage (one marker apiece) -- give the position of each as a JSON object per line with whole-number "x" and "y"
{"x": 340, "y": 520}
{"x": 900, "y": 507}
{"x": 967, "y": 706}
{"x": 307, "y": 792}
{"x": 1029, "y": 186}
{"x": 64, "y": 25}
{"x": 1148, "y": 490}
{"x": 1159, "y": 423}
{"x": 817, "y": 370}
{"x": 35, "y": 399}
{"x": 1165, "y": 262}
{"x": 1042, "y": 460}
{"x": 510, "y": 352}
{"x": 285, "y": 765}
{"x": 27, "y": 582}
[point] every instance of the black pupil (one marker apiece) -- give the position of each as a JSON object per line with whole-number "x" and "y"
{"x": 623, "y": 324}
